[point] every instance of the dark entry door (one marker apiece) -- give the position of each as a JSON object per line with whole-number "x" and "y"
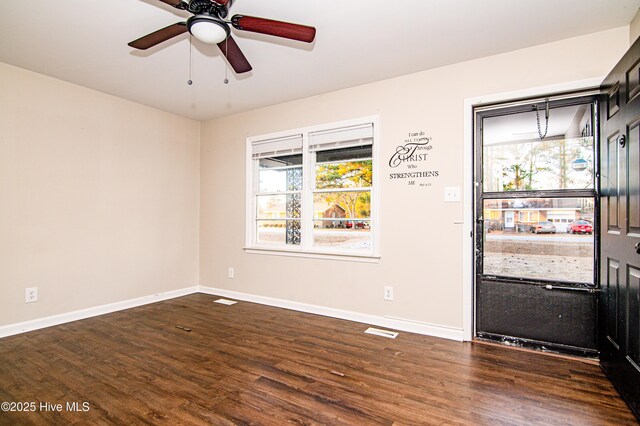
{"x": 620, "y": 230}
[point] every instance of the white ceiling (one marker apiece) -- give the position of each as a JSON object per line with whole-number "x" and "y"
{"x": 358, "y": 41}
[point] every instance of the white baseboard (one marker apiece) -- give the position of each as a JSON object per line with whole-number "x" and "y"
{"x": 387, "y": 322}
{"x": 23, "y": 327}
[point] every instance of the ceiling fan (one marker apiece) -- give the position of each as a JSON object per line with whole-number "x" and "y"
{"x": 209, "y": 26}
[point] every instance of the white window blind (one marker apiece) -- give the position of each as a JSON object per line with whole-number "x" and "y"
{"x": 277, "y": 147}
{"x": 341, "y": 138}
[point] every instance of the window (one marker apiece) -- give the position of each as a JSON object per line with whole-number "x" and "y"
{"x": 313, "y": 191}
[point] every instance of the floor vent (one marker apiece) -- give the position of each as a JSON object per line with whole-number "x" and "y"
{"x": 225, "y": 302}
{"x": 383, "y": 333}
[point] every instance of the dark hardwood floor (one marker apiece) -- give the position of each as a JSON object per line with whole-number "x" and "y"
{"x": 252, "y": 364}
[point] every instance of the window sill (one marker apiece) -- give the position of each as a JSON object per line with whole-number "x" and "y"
{"x": 349, "y": 257}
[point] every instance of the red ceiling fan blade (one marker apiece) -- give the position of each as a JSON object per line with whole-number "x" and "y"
{"x": 234, "y": 55}
{"x": 274, "y": 28}
{"x": 159, "y": 36}
{"x": 173, "y": 3}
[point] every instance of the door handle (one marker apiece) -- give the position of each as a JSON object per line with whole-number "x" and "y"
{"x": 638, "y": 248}
{"x": 589, "y": 290}
{"x": 622, "y": 140}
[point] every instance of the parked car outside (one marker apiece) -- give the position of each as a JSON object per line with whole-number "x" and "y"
{"x": 545, "y": 227}
{"x": 359, "y": 224}
{"x": 493, "y": 225}
{"x": 581, "y": 227}
{"x": 524, "y": 227}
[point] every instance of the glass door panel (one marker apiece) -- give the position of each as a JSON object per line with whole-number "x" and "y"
{"x": 539, "y": 238}
{"x": 516, "y": 159}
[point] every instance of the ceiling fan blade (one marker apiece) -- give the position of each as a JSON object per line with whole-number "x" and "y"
{"x": 234, "y": 55}
{"x": 173, "y": 3}
{"x": 274, "y": 28}
{"x": 159, "y": 36}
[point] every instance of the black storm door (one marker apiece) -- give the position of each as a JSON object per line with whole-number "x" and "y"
{"x": 536, "y": 223}
{"x": 620, "y": 230}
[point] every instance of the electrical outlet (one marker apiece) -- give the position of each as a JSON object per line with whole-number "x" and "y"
{"x": 30, "y": 294}
{"x": 388, "y": 293}
{"x": 232, "y": 273}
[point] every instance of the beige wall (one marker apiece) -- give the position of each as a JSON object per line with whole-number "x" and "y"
{"x": 103, "y": 200}
{"x": 421, "y": 245}
{"x": 634, "y": 28}
{"x": 99, "y": 197}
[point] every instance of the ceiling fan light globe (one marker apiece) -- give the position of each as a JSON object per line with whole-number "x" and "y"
{"x": 207, "y": 29}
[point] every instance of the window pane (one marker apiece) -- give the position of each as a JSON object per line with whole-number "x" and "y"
{"x": 344, "y": 168}
{"x": 353, "y": 153}
{"x": 323, "y": 177}
{"x": 343, "y": 234}
{"x": 539, "y": 238}
{"x": 342, "y": 205}
{"x": 276, "y": 232}
{"x": 279, "y": 174}
{"x": 278, "y": 206}
{"x": 515, "y": 159}
{"x": 281, "y": 161}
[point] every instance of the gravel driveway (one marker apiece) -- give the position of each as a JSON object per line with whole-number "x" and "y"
{"x": 559, "y": 257}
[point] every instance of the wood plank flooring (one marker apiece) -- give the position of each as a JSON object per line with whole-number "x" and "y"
{"x": 253, "y": 364}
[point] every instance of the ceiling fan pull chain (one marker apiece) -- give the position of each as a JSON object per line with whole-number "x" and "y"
{"x": 226, "y": 55}
{"x": 546, "y": 119}
{"x": 189, "y": 82}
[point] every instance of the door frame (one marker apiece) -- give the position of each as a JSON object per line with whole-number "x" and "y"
{"x": 468, "y": 229}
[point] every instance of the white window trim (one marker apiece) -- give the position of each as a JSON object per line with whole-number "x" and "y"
{"x": 306, "y": 249}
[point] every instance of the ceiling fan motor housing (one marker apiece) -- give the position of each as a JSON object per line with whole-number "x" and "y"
{"x": 209, "y": 7}
{"x": 207, "y": 24}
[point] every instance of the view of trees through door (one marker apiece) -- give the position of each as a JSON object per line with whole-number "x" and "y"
{"x": 538, "y": 194}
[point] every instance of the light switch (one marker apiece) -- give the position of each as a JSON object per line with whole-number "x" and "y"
{"x": 452, "y": 194}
